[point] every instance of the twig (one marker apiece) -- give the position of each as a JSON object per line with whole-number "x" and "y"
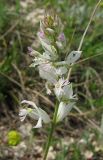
{"x": 27, "y": 89}
{"x": 83, "y": 60}
{"x": 42, "y": 96}
{"x": 90, "y": 121}
{"x": 10, "y": 79}
{"x": 27, "y": 36}
{"x": 87, "y": 98}
{"x": 20, "y": 77}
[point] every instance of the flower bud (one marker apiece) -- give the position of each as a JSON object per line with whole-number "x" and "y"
{"x": 41, "y": 34}
{"x": 30, "y": 51}
{"x": 51, "y": 31}
{"x": 61, "y": 37}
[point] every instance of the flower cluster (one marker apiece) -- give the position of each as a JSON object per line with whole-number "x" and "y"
{"x": 52, "y": 69}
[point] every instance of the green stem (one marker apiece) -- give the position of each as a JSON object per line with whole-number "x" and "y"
{"x": 53, "y": 125}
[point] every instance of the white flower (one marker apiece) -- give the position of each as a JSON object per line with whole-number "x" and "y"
{"x": 63, "y": 110}
{"x": 58, "y": 90}
{"x": 63, "y": 90}
{"x": 35, "y": 113}
{"x": 23, "y": 113}
{"x": 68, "y": 92}
{"x": 73, "y": 57}
{"x": 48, "y": 72}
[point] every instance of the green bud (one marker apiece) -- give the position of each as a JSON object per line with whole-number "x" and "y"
{"x": 13, "y": 138}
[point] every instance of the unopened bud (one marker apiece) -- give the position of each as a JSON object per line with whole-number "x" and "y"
{"x": 51, "y": 31}
{"x": 41, "y": 34}
{"x": 61, "y": 37}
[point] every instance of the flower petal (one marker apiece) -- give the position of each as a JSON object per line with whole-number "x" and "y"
{"x": 59, "y": 45}
{"x": 58, "y": 92}
{"x": 33, "y": 52}
{"x": 39, "y": 123}
{"x": 48, "y": 72}
{"x": 61, "y": 70}
{"x": 48, "y": 47}
{"x": 73, "y": 56}
{"x": 29, "y": 103}
{"x": 44, "y": 116}
{"x": 68, "y": 91}
{"x": 61, "y": 37}
{"x": 37, "y": 61}
{"x": 63, "y": 110}
{"x": 23, "y": 114}
{"x": 34, "y": 114}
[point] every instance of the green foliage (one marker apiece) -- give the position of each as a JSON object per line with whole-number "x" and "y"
{"x": 17, "y": 6}
{"x": 62, "y": 155}
{"x": 77, "y": 153}
{"x": 14, "y": 138}
{"x": 99, "y": 102}
{"x": 3, "y": 14}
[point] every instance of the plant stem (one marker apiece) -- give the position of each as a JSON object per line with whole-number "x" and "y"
{"x": 53, "y": 125}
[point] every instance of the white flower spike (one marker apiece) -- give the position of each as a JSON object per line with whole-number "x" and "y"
{"x": 35, "y": 113}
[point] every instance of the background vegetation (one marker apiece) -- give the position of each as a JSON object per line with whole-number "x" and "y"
{"x": 79, "y": 137}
